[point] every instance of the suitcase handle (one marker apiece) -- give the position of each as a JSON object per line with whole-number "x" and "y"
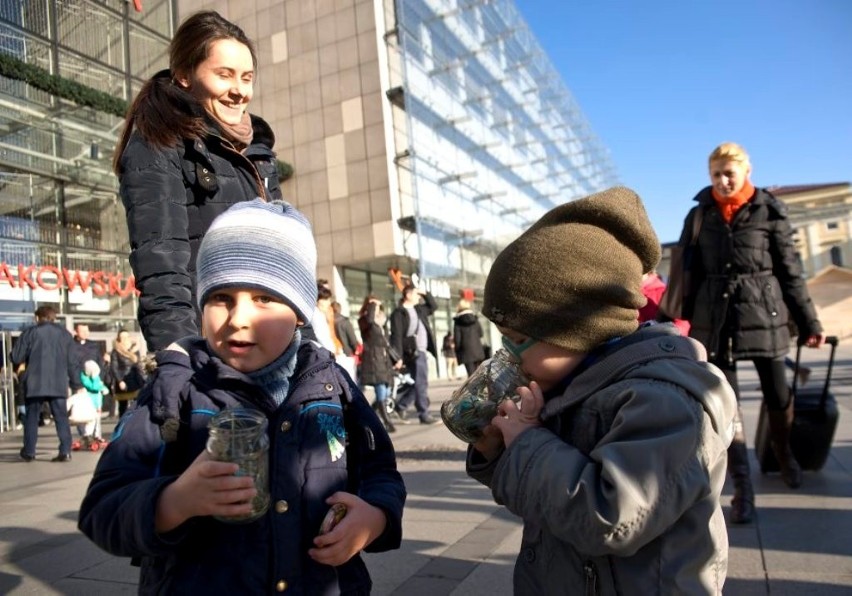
{"x": 832, "y": 341}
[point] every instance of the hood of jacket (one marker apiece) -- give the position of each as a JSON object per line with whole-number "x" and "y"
{"x": 650, "y": 353}
{"x": 465, "y": 318}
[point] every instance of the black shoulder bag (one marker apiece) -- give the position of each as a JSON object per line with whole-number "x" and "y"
{"x": 680, "y": 279}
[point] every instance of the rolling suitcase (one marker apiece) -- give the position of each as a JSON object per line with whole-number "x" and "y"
{"x": 814, "y": 422}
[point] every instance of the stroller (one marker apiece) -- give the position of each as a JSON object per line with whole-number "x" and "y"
{"x": 402, "y": 384}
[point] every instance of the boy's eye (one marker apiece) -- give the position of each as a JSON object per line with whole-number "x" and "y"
{"x": 264, "y": 299}
{"x": 219, "y": 298}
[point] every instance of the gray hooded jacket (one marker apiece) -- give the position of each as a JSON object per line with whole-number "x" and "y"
{"x": 619, "y": 489}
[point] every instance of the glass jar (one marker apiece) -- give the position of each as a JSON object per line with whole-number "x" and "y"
{"x": 238, "y": 435}
{"x": 473, "y": 405}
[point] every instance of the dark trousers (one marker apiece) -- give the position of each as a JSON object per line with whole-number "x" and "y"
{"x": 419, "y": 394}
{"x": 472, "y": 366}
{"x": 59, "y": 410}
{"x": 773, "y": 380}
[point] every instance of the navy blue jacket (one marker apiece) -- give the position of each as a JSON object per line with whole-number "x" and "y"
{"x": 47, "y": 349}
{"x": 157, "y": 440}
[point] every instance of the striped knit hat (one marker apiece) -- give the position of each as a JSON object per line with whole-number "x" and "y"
{"x": 264, "y": 245}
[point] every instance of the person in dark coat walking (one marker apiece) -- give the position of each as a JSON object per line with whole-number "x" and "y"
{"x": 189, "y": 150}
{"x": 467, "y": 335}
{"x": 344, "y": 331}
{"x": 158, "y": 495}
{"x": 377, "y": 364}
{"x": 411, "y": 337}
{"x": 46, "y": 355}
{"x": 744, "y": 271}
{"x": 126, "y": 370}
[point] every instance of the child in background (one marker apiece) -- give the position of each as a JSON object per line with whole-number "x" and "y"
{"x": 91, "y": 379}
{"x": 448, "y": 350}
{"x": 653, "y": 289}
{"x": 615, "y": 454}
{"x": 156, "y": 489}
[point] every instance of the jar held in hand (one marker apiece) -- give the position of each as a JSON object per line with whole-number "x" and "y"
{"x": 473, "y": 405}
{"x": 238, "y": 435}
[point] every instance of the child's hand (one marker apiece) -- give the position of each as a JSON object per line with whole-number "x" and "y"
{"x": 362, "y": 524}
{"x": 491, "y": 443}
{"x": 206, "y": 487}
{"x": 512, "y": 420}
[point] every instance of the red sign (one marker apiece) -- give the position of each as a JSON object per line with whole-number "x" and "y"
{"x": 48, "y": 277}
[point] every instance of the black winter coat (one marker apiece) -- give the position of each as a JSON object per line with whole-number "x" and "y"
{"x": 158, "y": 440}
{"x": 376, "y": 362}
{"x": 124, "y": 369}
{"x": 87, "y": 350}
{"x": 47, "y": 349}
{"x": 171, "y": 197}
{"x": 467, "y": 335}
{"x": 745, "y": 279}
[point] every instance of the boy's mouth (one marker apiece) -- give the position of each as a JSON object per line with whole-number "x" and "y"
{"x": 239, "y": 346}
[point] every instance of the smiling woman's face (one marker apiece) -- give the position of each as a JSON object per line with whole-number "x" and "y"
{"x": 224, "y": 83}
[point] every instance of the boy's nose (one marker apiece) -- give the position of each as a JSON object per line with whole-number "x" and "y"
{"x": 240, "y": 314}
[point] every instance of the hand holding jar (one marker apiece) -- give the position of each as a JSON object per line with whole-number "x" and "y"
{"x": 474, "y": 405}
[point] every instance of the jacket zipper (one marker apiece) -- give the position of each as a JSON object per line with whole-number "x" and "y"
{"x": 591, "y": 579}
{"x": 260, "y": 186}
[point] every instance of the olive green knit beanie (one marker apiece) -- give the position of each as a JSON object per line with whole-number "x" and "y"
{"x": 574, "y": 278}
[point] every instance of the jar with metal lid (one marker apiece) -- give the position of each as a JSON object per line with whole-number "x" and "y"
{"x": 238, "y": 435}
{"x": 473, "y": 405}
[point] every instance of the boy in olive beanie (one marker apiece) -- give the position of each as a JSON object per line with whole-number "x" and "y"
{"x": 615, "y": 454}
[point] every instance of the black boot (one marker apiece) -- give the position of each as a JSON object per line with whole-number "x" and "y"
{"x": 780, "y": 423}
{"x": 742, "y": 505}
{"x": 380, "y": 409}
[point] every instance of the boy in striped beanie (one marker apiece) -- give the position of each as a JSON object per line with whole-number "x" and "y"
{"x": 157, "y": 493}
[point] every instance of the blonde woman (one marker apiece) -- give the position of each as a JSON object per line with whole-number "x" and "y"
{"x": 126, "y": 367}
{"x": 743, "y": 271}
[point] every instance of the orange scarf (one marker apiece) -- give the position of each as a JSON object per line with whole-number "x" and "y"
{"x": 728, "y": 206}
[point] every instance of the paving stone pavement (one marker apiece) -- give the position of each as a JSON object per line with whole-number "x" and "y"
{"x": 456, "y": 540}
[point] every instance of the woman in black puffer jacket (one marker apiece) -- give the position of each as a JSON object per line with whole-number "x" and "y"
{"x": 467, "y": 335}
{"x": 746, "y": 280}
{"x": 189, "y": 151}
{"x": 377, "y": 363}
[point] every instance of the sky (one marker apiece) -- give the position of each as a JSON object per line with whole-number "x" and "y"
{"x": 663, "y": 82}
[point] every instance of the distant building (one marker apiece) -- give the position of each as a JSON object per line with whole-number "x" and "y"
{"x": 821, "y": 214}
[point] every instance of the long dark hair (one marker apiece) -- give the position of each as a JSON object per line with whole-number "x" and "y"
{"x": 163, "y": 112}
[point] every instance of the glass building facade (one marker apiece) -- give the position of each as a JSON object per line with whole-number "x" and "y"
{"x": 489, "y": 138}
{"x": 67, "y": 70}
{"x": 63, "y": 237}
